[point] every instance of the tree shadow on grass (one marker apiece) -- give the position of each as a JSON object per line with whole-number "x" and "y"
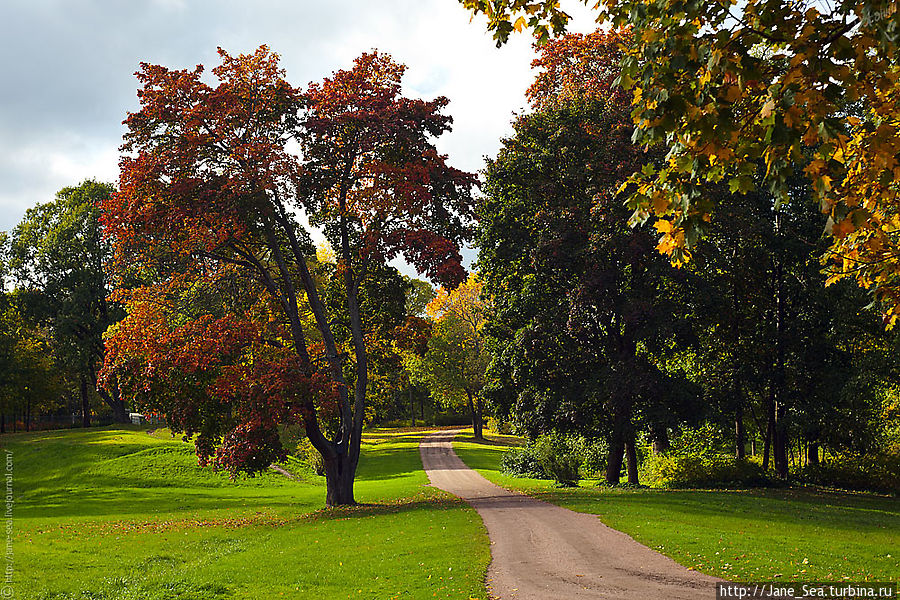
{"x": 426, "y": 501}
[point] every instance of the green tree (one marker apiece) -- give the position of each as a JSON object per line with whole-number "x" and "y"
{"x": 29, "y": 380}
{"x": 57, "y": 257}
{"x": 585, "y": 314}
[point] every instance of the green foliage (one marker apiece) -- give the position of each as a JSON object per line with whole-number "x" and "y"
{"x": 558, "y": 458}
{"x": 306, "y": 453}
{"x": 875, "y": 473}
{"x": 29, "y": 379}
{"x": 592, "y": 455}
{"x": 585, "y": 312}
{"x": 522, "y": 462}
{"x": 703, "y": 440}
{"x": 562, "y": 458}
{"x": 418, "y": 295}
{"x": 499, "y": 426}
{"x": 57, "y": 258}
{"x": 702, "y": 470}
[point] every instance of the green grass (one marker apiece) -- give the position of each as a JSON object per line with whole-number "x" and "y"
{"x": 115, "y": 514}
{"x": 752, "y": 535}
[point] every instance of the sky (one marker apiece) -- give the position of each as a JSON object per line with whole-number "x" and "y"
{"x": 67, "y": 72}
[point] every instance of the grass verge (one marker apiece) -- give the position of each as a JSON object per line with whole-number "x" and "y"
{"x": 744, "y": 535}
{"x": 122, "y": 514}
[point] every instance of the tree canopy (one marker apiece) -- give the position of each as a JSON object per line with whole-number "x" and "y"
{"x": 781, "y": 87}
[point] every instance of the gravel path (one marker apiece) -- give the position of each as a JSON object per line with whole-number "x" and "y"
{"x": 543, "y": 552}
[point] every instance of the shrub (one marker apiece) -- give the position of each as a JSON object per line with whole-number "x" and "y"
{"x": 309, "y": 456}
{"x": 874, "y": 473}
{"x": 592, "y": 454}
{"x": 522, "y": 462}
{"x": 703, "y": 471}
{"x": 565, "y": 459}
{"x": 558, "y": 458}
{"x": 497, "y": 426}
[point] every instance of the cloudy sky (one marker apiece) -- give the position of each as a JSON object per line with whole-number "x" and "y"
{"x": 66, "y": 73}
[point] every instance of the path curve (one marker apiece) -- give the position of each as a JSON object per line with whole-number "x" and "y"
{"x": 541, "y": 551}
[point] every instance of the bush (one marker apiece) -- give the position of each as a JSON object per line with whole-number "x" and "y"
{"x": 497, "y": 426}
{"x": 592, "y": 454}
{"x": 703, "y": 471}
{"x": 550, "y": 456}
{"x": 522, "y": 462}
{"x": 873, "y": 473}
{"x": 559, "y": 459}
{"x": 309, "y": 456}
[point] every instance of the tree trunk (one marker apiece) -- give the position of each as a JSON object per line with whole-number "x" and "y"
{"x": 660, "y": 439}
{"x": 339, "y": 475}
{"x": 3, "y": 423}
{"x": 780, "y": 444}
{"x": 112, "y": 398}
{"x": 778, "y": 409}
{"x": 85, "y": 403}
{"x": 475, "y": 412}
{"x": 412, "y": 406}
{"x": 479, "y": 419}
{"x": 812, "y": 453}
{"x": 616, "y": 453}
{"x": 631, "y": 462}
{"x": 770, "y": 430}
{"x": 120, "y": 415}
{"x": 740, "y": 438}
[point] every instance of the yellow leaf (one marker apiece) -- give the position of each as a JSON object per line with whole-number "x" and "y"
{"x": 663, "y": 225}
{"x": 520, "y": 23}
{"x": 767, "y": 108}
{"x": 705, "y": 77}
{"x": 838, "y": 155}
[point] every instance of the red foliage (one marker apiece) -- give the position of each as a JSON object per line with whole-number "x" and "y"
{"x": 204, "y": 222}
{"x": 371, "y": 158}
{"x": 575, "y": 67}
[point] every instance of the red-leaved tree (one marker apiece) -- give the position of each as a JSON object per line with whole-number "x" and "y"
{"x": 227, "y": 332}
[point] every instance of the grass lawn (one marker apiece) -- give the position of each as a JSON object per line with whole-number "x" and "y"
{"x": 121, "y": 514}
{"x": 753, "y": 535}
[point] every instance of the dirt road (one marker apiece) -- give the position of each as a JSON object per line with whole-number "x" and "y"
{"x": 543, "y": 552}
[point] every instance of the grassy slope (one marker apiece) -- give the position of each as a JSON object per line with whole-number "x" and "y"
{"x": 753, "y": 535}
{"x": 120, "y": 514}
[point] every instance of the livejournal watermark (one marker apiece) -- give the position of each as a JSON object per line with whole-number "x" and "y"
{"x": 831, "y": 590}
{"x": 7, "y": 590}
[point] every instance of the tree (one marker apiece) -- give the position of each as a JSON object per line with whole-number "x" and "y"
{"x": 58, "y": 255}
{"x": 210, "y": 195}
{"x": 418, "y": 295}
{"x": 29, "y": 380}
{"x": 454, "y": 365}
{"x": 411, "y": 345}
{"x": 583, "y": 311}
{"x": 727, "y": 85}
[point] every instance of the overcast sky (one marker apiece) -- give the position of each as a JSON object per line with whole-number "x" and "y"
{"x": 67, "y": 71}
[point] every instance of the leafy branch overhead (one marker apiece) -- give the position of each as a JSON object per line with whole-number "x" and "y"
{"x": 748, "y": 93}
